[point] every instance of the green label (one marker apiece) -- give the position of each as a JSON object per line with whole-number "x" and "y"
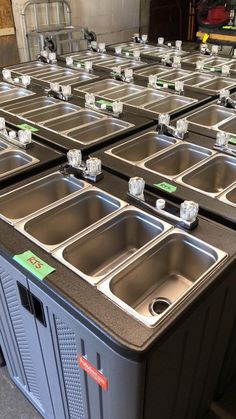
{"x": 167, "y": 187}
{"x": 26, "y": 126}
{"x": 165, "y": 83}
{"x": 232, "y": 140}
{"x": 104, "y": 102}
{"x": 34, "y": 264}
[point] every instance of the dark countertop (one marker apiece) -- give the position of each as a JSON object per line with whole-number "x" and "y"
{"x": 119, "y": 330}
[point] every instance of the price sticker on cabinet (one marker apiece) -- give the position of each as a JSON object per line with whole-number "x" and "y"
{"x": 232, "y": 140}
{"x": 28, "y": 127}
{"x": 34, "y": 264}
{"x": 167, "y": 187}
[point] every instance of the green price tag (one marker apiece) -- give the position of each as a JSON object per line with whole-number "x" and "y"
{"x": 104, "y": 102}
{"x": 232, "y": 140}
{"x": 26, "y": 126}
{"x": 34, "y": 264}
{"x": 167, "y": 187}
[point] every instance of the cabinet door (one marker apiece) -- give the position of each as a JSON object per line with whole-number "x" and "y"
{"x": 122, "y": 380}
{"x": 20, "y": 315}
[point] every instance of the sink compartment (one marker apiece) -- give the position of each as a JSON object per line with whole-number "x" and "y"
{"x": 169, "y": 104}
{"x": 169, "y": 270}
{"x": 151, "y": 70}
{"x": 177, "y": 160}
{"x": 103, "y": 249}
{"x": 193, "y": 59}
{"x": 212, "y": 177}
{"x": 145, "y": 97}
{"x": 218, "y": 84}
{"x": 175, "y": 75}
{"x": 142, "y": 147}
{"x": 68, "y": 122}
{"x": 229, "y": 197}
{"x": 4, "y": 87}
{"x": 196, "y": 79}
{"x": 214, "y": 62}
{"x": 100, "y": 86}
{"x": 98, "y": 130}
{"x": 14, "y": 94}
{"x": 210, "y": 117}
{"x": 25, "y": 201}
{"x": 14, "y": 160}
{"x": 30, "y": 104}
{"x": 53, "y": 112}
{"x": 122, "y": 92}
{"x": 53, "y": 227}
{"x": 229, "y": 126}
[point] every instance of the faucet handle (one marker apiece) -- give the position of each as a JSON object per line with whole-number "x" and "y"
{"x": 74, "y": 157}
{"x": 189, "y": 211}
{"x": 2, "y": 123}
{"x": 164, "y": 119}
{"x": 136, "y": 186}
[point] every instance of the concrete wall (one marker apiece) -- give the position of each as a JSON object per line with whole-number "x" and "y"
{"x": 112, "y": 20}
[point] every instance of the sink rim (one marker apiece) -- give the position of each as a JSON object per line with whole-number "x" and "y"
{"x": 133, "y": 140}
{"x": 20, "y": 226}
{"x": 223, "y": 196}
{"x": 179, "y": 179}
{"x": 14, "y": 221}
{"x": 58, "y": 252}
{"x": 104, "y": 286}
{"x": 215, "y": 126}
{"x": 33, "y": 161}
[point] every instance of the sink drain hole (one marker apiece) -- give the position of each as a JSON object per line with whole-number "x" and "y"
{"x": 159, "y": 305}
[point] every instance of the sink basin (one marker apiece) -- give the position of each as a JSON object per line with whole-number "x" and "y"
{"x": 66, "y": 77}
{"x": 68, "y": 122}
{"x": 218, "y": 84}
{"x": 212, "y": 177}
{"x": 229, "y": 126}
{"x": 122, "y": 92}
{"x": 5, "y": 87}
{"x": 26, "y": 67}
{"x": 25, "y": 201}
{"x": 100, "y": 86}
{"x": 52, "y": 227}
{"x": 196, "y": 79}
{"x": 30, "y": 104}
{"x": 3, "y": 146}
{"x": 13, "y": 94}
{"x": 170, "y": 104}
{"x": 210, "y": 117}
{"x": 97, "y": 253}
{"x": 193, "y": 59}
{"x": 141, "y": 147}
{"x": 145, "y": 97}
{"x": 98, "y": 130}
{"x": 173, "y": 268}
{"x": 151, "y": 70}
{"x": 175, "y": 75}
{"x": 52, "y": 112}
{"x": 214, "y": 62}
{"x": 229, "y": 197}
{"x": 177, "y": 160}
{"x": 12, "y": 161}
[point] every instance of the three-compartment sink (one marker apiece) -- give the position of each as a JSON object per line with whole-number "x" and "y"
{"x": 51, "y": 227}
{"x": 29, "y": 199}
{"x": 142, "y": 147}
{"x": 176, "y": 160}
{"x": 13, "y": 160}
{"x": 167, "y": 272}
{"x": 212, "y": 177}
{"x": 106, "y": 247}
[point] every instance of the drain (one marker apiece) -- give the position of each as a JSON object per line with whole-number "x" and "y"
{"x": 159, "y": 305}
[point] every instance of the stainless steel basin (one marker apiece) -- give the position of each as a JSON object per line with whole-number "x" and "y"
{"x": 214, "y": 62}
{"x": 197, "y": 79}
{"x": 229, "y": 197}
{"x": 145, "y": 97}
{"x": 212, "y": 177}
{"x": 175, "y": 75}
{"x": 5, "y": 87}
{"x": 25, "y": 201}
{"x": 53, "y": 112}
{"x": 229, "y": 126}
{"x": 14, "y": 94}
{"x": 165, "y": 274}
{"x": 177, "y": 160}
{"x": 151, "y": 70}
{"x": 218, "y": 84}
{"x": 13, "y": 160}
{"x": 99, "y": 252}
{"x": 193, "y": 59}
{"x": 98, "y": 130}
{"x": 210, "y": 117}
{"x": 29, "y": 105}
{"x": 142, "y": 147}
{"x": 52, "y": 227}
{"x": 122, "y": 92}
{"x": 170, "y": 104}
{"x": 25, "y": 67}
{"x": 100, "y": 86}
{"x": 3, "y": 145}
{"x": 68, "y": 122}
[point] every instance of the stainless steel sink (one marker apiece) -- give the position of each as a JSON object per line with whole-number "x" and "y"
{"x": 25, "y": 201}
{"x": 13, "y": 160}
{"x": 193, "y": 59}
{"x": 174, "y": 75}
{"x": 151, "y": 70}
{"x": 177, "y": 160}
{"x": 26, "y": 67}
{"x": 162, "y": 277}
{"x": 213, "y": 176}
{"x": 170, "y": 104}
{"x": 210, "y": 117}
{"x": 218, "y": 84}
{"x": 140, "y": 148}
{"x": 52, "y": 112}
{"x": 100, "y": 86}
{"x": 5, "y": 87}
{"x": 229, "y": 197}
{"x": 3, "y": 145}
{"x": 97, "y": 253}
{"x": 122, "y": 92}
{"x": 214, "y": 62}
{"x": 30, "y": 105}
{"x": 99, "y": 130}
{"x": 123, "y": 63}
{"x": 148, "y": 96}
{"x": 66, "y": 123}
{"x": 196, "y": 79}
{"x": 14, "y": 93}
{"x": 51, "y": 228}
{"x": 229, "y": 126}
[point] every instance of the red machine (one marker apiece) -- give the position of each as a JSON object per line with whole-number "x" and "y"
{"x": 212, "y": 13}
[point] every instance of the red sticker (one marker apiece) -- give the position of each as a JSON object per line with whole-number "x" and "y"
{"x": 93, "y": 372}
